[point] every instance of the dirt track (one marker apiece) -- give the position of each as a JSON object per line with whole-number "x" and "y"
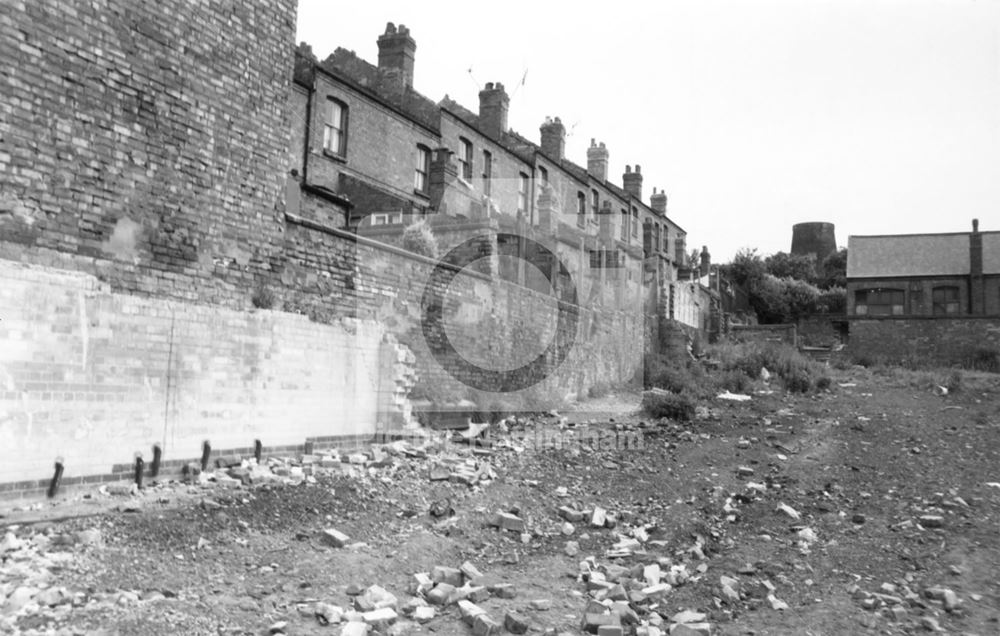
{"x": 860, "y": 464}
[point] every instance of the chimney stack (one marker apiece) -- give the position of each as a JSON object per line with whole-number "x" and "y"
{"x": 396, "y": 51}
{"x": 658, "y": 201}
{"x": 597, "y": 161}
{"x": 493, "y": 105}
{"x": 553, "y": 138}
{"x": 706, "y": 261}
{"x": 632, "y": 181}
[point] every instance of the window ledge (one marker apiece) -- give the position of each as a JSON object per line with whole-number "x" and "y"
{"x": 422, "y": 194}
{"x": 334, "y": 156}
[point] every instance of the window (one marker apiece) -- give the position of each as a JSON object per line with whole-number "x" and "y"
{"x": 543, "y": 174}
{"x": 385, "y": 218}
{"x": 656, "y": 236}
{"x": 487, "y": 172}
{"x": 335, "y": 127}
{"x": 878, "y": 302}
{"x": 522, "y": 192}
{"x": 624, "y": 228}
{"x": 465, "y": 158}
{"x": 595, "y": 203}
{"x": 581, "y": 209}
{"x": 635, "y": 221}
{"x": 945, "y": 300}
{"x": 423, "y": 167}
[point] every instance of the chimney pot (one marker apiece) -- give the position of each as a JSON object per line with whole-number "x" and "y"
{"x": 975, "y": 225}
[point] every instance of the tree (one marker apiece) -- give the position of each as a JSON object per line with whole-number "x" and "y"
{"x": 418, "y": 238}
{"x": 797, "y": 266}
{"x": 833, "y": 271}
{"x": 747, "y": 267}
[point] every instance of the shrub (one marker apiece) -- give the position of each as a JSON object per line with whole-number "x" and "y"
{"x": 734, "y": 381}
{"x": 823, "y": 383}
{"x": 419, "y": 239}
{"x": 599, "y": 390}
{"x": 798, "y": 372}
{"x": 677, "y": 406}
{"x": 954, "y": 382}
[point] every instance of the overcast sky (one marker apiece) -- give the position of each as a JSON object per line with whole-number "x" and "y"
{"x": 878, "y": 116}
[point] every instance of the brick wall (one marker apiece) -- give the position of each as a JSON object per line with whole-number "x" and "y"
{"x": 96, "y": 376}
{"x": 331, "y": 273}
{"x": 146, "y": 142}
{"x": 937, "y": 340}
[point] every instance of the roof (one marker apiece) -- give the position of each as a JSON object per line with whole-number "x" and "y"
{"x": 918, "y": 255}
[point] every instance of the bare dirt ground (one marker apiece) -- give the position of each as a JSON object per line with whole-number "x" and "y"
{"x": 896, "y": 490}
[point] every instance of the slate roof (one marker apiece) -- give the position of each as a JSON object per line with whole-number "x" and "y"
{"x": 918, "y": 255}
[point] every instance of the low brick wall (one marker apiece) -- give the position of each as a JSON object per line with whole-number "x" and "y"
{"x": 932, "y": 340}
{"x": 95, "y": 377}
{"x": 786, "y": 334}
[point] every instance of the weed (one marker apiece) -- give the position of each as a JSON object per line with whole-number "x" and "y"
{"x": 823, "y": 383}
{"x": 677, "y": 406}
{"x": 954, "y": 382}
{"x": 262, "y": 298}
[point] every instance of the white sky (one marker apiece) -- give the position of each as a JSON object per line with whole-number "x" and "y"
{"x": 878, "y": 116}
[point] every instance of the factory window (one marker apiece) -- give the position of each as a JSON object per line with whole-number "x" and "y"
{"x": 945, "y": 300}
{"x": 878, "y": 302}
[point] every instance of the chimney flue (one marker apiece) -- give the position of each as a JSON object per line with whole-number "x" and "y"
{"x": 493, "y": 107}
{"x": 975, "y": 225}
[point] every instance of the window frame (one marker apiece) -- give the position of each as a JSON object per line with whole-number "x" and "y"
{"x": 581, "y": 208}
{"x": 948, "y": 306}
{"x": 522, "y": 192}
{"x": 635, "y": 222}
{"x": 595, "y": 204}
{"x": 465, "y": 158}
{"x": 625, "y": 223}
{"x": 422, "y": 169}
{"x": 487, "y": 172}
{"x": 340, "y": 127}
{"x": 863, "y": 305}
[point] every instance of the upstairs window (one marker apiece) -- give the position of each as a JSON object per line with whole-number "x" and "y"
{"x": 423, "y": 168}
{"x": 522, "y": 192}
{"x": 595, "y": 203}
{"x": 543, "y": 174}
{"x": 581, "y": 209}
{"x": 656, "y": 236}
{"x": 465, "y": 158}
{"x": 335, "y": 127}
{"x": 945, "y": 300}
{"x": 487, "y": 172}
{"x": 879, "y": 302}
{"x": 635, "y": 222}
{"x": 624, "y": 228}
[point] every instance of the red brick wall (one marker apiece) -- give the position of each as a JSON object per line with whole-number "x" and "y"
{"x": 937, "y": 340}
{"x": 147, "y": 142}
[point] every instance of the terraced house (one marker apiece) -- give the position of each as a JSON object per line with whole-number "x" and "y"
{"x": 372, "y": 154}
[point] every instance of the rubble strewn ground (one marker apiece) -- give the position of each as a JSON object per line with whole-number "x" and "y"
{"x": 870, "y": 508}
